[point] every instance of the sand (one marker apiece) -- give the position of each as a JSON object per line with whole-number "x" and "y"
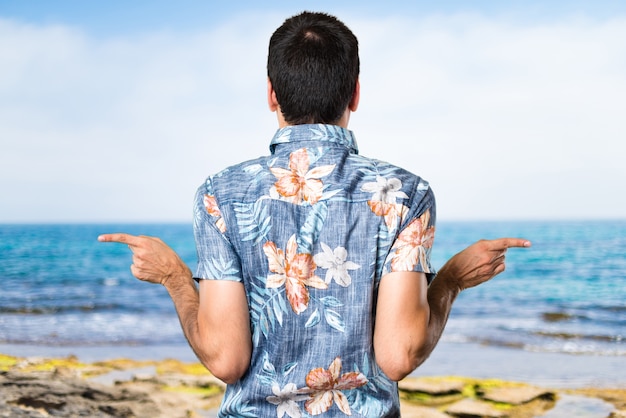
{"x": 34, "y": 387}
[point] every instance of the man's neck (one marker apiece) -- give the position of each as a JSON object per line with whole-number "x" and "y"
{"x": 342, "y": 122}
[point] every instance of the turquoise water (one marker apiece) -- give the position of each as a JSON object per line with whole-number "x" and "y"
{"x": 566, "y": 294}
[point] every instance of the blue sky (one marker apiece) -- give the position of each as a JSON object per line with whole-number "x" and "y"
{"x": 119, "y": 17}
{"x": 117, "y": 110}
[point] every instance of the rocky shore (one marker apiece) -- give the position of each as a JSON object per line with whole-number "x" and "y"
{"x": 65, "y": 387}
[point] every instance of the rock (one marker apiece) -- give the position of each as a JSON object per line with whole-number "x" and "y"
{"x": 434, "y": 387}
{"x": 35, "y": 395}
{"x": 470, "y": 408}
{"x": 204, "y": 381}
{"x": 618, "y": 414}
{"x": 517, "y": 395}
{"x": 414, "y": 411}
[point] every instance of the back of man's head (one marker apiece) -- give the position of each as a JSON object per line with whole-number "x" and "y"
{"x": 313, "y": 65}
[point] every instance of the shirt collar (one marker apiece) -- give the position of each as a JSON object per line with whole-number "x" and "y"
{"x": 315, "y": 132}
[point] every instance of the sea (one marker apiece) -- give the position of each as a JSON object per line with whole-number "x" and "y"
{"x": 557, "y": 312}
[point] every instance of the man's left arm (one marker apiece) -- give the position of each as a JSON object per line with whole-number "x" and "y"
{"x": 215, "y": 319}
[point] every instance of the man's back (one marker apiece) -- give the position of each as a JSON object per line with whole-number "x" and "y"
{"x": 310, "y": 230}
{"x": 295, "y": 246}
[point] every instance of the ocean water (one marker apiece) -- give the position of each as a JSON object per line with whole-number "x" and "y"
{"x": 60, "y": 287}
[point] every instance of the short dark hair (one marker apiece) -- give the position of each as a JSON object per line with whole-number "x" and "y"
{"x": 313, "y": 65}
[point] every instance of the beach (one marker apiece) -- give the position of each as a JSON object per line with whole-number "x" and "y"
{"x": 555, "y": 370}
{"x": 168, "y": 381}
{"x": 39, "y": 386}
{"x": 551, "y": 327}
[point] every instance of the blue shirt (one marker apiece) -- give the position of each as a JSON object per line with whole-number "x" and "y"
{"x": 310, "y": 230}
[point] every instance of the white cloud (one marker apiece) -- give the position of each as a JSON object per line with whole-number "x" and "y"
{"x": 123, "y": 128}
{"x": 505, "y": 120}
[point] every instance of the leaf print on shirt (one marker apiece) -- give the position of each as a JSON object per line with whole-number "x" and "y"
{"x": 267, "y": 307}
{"x": 285, "y": 400}
{"x": 335, "y": 262}
{"x": 210, "y": 203}
{"x": 253, "y": 220}
{"x": 298, "y": 184}
{"x": 413, "y": 244}
{"x": 235, "y": 405}
{"x": 294, "y": 270}
{"x": 383, "y": 203}
{"x": 326, "y": 386}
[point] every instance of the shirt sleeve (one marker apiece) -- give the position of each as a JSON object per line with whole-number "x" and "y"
{"x": 217, "y": 258}
{"x": 412, "y": 247}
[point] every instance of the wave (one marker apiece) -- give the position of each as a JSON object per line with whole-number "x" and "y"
{"x": 52, "y": 342}
{"x": 52, "y": 310}
{"x": 554, "y": 346}
{"x": 612, "y": 309}
{"x": 576, "y": 336}
{"x": 561, "y": 316}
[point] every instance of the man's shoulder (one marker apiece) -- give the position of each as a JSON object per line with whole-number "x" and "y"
{"x": 386, "y": 169}
{"x": 243, "y": 167}
{"x": 230, "y": 181}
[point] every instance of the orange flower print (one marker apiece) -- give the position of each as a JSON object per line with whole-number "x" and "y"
{"x": 327, "y": 385}
{"x": 210, "y": 203}
{"x": 411, "y": 244}
{"x": 391, "y": 212}
{"x": 295, "y": 271}
{"x": 299, "y": 184}
{"x": 385, "y": 192}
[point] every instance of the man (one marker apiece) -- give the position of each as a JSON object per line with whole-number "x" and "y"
{"x": 316, "y": 292}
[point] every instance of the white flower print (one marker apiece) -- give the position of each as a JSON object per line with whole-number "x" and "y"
{"x": 335, "y": 262}
{"x": 286, "y": 399}
{"x": 385, "y": 190}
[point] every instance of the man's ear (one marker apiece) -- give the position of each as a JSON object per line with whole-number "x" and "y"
{"x": 354, "y": 102}
{"x": 271, "y": 97}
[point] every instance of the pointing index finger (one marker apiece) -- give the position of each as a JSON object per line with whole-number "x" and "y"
{"x": 119, "y": 237}
{"x": 504, "y": 243}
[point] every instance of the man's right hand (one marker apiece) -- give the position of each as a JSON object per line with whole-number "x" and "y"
{"x": 479, "y": 262}
{"x": 153, "y": 260}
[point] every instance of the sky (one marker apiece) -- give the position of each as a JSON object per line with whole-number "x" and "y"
{"x": 117, "y": 111}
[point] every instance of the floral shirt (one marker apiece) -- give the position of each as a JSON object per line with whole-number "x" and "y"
{"x": 310, "y": 230}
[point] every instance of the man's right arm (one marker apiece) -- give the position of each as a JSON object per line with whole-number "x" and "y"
{"x": 411, "y": 316}
{"x": 476, "y": 264}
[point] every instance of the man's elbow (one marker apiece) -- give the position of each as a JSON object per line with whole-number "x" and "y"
{"x": 228, "y": 368}
{"x": 398, "y": 360}
{"x": 398, "y": 367}
{"x": 229, "y": 375}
